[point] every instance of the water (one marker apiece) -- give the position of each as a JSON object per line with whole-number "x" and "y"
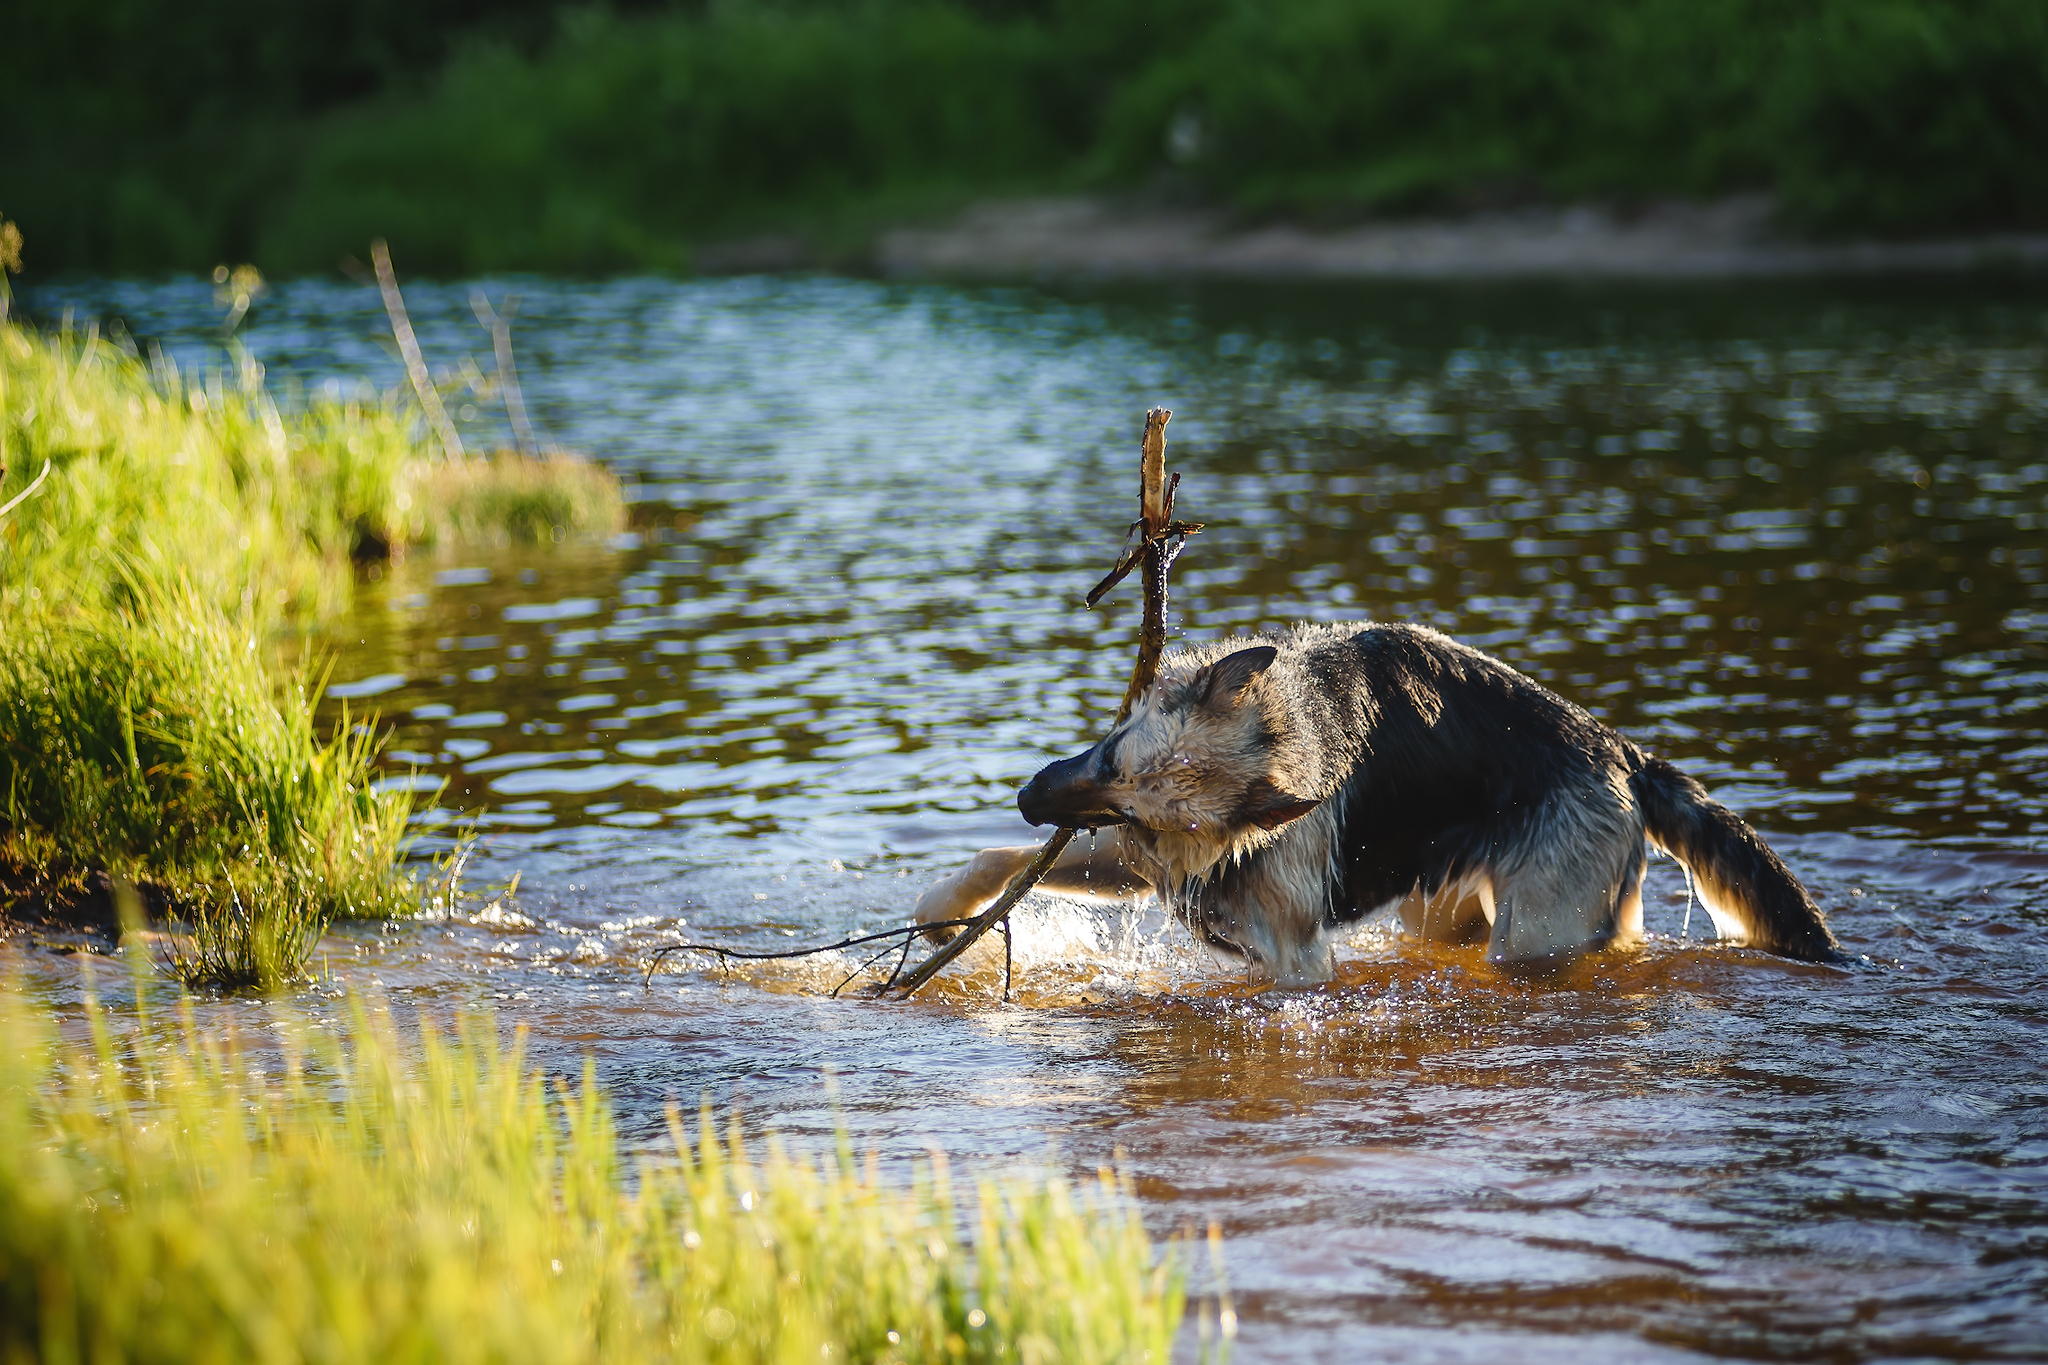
{"x": 1791, "y": 538}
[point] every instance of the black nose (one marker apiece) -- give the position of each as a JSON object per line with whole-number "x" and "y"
{"x": 1066, "y": 794}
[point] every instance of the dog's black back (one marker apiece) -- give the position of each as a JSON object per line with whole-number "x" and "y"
{"x": 1461, "y": 749}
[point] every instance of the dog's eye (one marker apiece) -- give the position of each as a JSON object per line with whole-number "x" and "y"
{"x": 1105, "y": 758}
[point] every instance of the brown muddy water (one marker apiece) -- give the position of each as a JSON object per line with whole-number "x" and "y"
{"x": 1791, "y": 537}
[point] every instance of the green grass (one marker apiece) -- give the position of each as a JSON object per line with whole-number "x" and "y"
{"x": 168, "y": 529}
{"x": 167, "y": 1196}
{"x": 153, "y": 743}
{"x": 508, "y": 500}
{"x": 629, "y": 134}
{"x": 201, "y": 483}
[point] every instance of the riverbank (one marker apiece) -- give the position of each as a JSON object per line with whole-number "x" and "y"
{"x": 1098, "y": 238}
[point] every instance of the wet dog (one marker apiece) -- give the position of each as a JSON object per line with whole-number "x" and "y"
{"x": 1273, "y": 792}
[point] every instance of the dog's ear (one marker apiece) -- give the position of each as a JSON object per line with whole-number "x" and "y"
{"x": 1270, "y": 807}
{"x": 1225, "y": 680}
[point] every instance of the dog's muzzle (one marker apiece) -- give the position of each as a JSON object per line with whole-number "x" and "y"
{"x": 1066, "y": 794}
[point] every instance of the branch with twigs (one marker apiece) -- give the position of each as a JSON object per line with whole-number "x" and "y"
{"x": 897, "y": 940}
{"x": 1159, "y": 541}
{"x": 1158, "y": 544}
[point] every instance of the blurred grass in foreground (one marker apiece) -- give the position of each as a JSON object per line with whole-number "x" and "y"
{"x": 623, "y": 139}
{"x": 167, "y": 1196}
{"x": 164, "y": 529}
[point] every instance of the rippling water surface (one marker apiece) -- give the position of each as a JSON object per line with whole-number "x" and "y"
{"x": 1792, "y": 538}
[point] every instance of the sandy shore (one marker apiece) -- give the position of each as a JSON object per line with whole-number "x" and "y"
{"x": 1078, "y": 237}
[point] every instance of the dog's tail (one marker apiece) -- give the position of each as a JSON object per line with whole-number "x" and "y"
{"x": 1752, "y": 895}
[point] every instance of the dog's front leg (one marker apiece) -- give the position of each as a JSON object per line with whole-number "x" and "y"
{"x": 961, "y": 894}
{"x": 1093, "y": 866}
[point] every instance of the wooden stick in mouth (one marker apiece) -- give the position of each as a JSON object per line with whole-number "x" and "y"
{"x": 1159, "y": 542}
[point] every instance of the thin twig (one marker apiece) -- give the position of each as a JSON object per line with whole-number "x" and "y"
{"x": 902, "y": 961}
{"x": 499, "y": 325}
{"x": 1160, "y": 538}
{"x": 415, "y": 363}
{"x": 863, "y": 967}
{"x": 908, "y": 933}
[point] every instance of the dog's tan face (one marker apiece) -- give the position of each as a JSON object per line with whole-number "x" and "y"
{"x": 1195, "y": 775}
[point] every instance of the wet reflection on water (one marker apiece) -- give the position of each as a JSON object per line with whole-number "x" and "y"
{"x": 1792, "y": 541}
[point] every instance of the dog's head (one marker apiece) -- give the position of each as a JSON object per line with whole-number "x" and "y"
{"x": 1199, "y": 771}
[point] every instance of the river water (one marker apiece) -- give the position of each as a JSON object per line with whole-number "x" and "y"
{"x": 1790, "y": 536}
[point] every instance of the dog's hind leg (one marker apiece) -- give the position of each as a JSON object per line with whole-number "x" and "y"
{"x": 1568, "y": 881}
{"x": 1092, "y": 866}
{"x": 1460, "y": 912}
{"x": 1628, "y": 909}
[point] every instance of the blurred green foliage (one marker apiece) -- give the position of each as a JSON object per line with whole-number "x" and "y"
{"x": 509, "y": 135}
{"x": 625, "y": 139}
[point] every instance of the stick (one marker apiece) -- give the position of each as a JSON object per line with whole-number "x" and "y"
{"x": 1155, "y": 499}
{"x": 1020, "y": 886}
{"x": 905, "y": 932}
{"x": 499, "y": 325}
{"x": 1159, "y": 541}
{"x": 415, "y": 363}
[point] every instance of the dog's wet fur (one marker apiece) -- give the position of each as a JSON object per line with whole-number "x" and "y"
{"x": 1274, "y": 791}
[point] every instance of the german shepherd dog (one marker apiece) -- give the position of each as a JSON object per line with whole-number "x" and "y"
{"x": 1272, "y": 792}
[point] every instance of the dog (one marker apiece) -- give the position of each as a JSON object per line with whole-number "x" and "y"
{"x": 1273, "y": 791}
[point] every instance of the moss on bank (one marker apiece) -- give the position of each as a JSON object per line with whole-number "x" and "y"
{"x": 173, "y": 1198}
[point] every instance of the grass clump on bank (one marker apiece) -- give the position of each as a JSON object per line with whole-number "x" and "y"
{"x": 511, "y": 500}
{"x": 185, "y": 1200}
{"x": 152, "y": 745}
{"x": 160, "y": 531}
{"x": 207, "y": 485}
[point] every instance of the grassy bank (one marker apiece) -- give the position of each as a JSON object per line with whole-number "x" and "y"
{"x": 164, "y": 527}
{"x": 184, "y": 1200}
{"x": 160, "y": 479}
{"x": 151, "y": 744}
{"x": 622, "y": 138}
